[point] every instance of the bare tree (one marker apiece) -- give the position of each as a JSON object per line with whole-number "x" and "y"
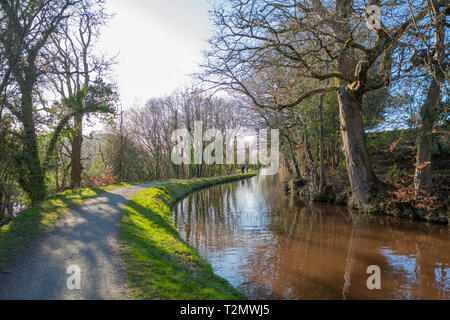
{"x": 320, "y": 41}
{"x": 75, "y": 69}
{"x": 431, "y": 52}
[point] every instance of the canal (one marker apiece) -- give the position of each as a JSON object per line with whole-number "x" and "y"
{"x": 272, "y": 246}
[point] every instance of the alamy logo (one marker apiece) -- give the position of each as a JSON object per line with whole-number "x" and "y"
{"x": 373, "y": 17}
{"x": 189, "y": 149}
{"x": 74, "y": 281}
{"x": 374, "y": 281}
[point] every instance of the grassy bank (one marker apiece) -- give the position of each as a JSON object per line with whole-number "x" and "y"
{"x": 160, "y": 265}
{"x": 20, "y": 232}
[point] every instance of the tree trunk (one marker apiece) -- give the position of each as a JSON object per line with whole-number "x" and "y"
{"x": 312, "y": 165}
{"x": 77, "y": 141}
{"x": 423, "y": 178}
{"x": 362, "y": 178}
{"x": 363, "y": 181}
{"x": 32, "y": 179}
{"x": 2, "y": 208}
{"x": 294, "y": 159}
{"x": 322, "y": 181}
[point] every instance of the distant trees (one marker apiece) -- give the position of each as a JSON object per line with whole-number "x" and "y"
{"x": 139, "y": 145}
{"x": 309, "y": 136}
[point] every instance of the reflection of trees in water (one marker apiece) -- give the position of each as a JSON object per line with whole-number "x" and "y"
{"x": 272, "y": 188}
{"x": 350, "y": 260}
{"x": 324, "y": 252}
{"x": 308, "y": 253}
{"x": 209, "y": 217}
{"x": 409, "y": 254}
{"x": 314, "y": 252}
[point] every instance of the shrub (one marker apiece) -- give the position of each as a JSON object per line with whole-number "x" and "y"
{"x": 105, "y": 179}
{"x": 405, "y": 196}
{"x": 395, "y": 175}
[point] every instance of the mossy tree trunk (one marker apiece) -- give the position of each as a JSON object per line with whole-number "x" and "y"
{"x": 77, "y": 141}
{"x": 32, "y": 176}
{"x": 423, "y": 178}
{"x": 433, "y": 62}
{"x": 362, "y": 178}
{"x": 322, "y": 180}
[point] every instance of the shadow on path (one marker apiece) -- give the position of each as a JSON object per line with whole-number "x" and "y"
{"x": 86, "y": 237}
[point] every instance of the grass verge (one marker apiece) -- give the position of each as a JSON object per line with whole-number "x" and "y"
{"x": 159, "y": 264}
{"x": 20, "y": 232}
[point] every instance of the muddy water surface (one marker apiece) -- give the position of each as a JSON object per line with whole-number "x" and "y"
{"x": 271, "y": 246}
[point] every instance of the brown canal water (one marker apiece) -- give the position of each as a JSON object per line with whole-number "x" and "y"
{"x": 271, "y": 246}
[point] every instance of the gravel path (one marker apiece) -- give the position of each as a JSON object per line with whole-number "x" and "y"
{"x": 86, "y": 237}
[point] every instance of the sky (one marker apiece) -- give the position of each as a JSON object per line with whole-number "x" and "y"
{"x": 158, "y": 42}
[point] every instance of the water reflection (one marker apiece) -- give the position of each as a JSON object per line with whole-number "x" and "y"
{"x": 272, "y": 246}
